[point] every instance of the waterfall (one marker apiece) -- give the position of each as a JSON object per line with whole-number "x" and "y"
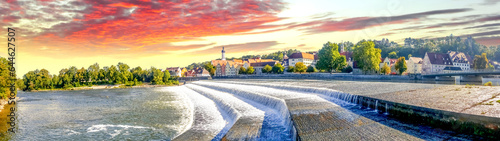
{"x": 323, "y": 91}
{"x": 376, "y": 105}
{"x": 208, "y": 121}
{"x": 269, "y": 101}
{"x": 237, "y": 110}
{"x": 386, "y": 109}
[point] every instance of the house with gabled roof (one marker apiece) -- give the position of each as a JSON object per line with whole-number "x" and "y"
{"x": 435, "y": 62}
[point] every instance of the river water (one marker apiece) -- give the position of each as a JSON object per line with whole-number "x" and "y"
{"x": 202, "y": 110}
{"x": 114, "y": 114}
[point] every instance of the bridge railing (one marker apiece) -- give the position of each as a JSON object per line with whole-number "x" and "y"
{"x": 465, "y": 71}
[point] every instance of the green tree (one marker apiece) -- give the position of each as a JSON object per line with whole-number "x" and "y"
{"x": 210, "y": 68}
{"x": 242, "y": 70}
{"x": 393, "y": 55}
{"x": 480, "y": 61}
{"x": 290, "y": 69}
{"x": 330, "y": 58}
{"x": 93, "y": 71}
{"x": 4, "y": 78}
{"x": 166, "y": 77}
{"x": 367, "y": 56}
{"x": 157, "y": 78}
{"x": 267, "y": 69}
{"x": 278, "y": 68}
{"x": 250, "y": 70}
{"x": 347, "y": 69}
{"x": 311, "y": 69}
{"x": 300, "y": 67}
{"x": 401, "y": 65}
{"x": 385, "y": 69}
{"x": 339, "y": 63}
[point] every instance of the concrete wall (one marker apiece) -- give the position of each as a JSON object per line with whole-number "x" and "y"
{"x": 343, "y": 76}
{"x": 459, "y": 122}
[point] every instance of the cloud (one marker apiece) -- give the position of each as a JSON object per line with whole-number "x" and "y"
{"x": 487, "y": 33}
{"x": 490, "y": 2}
{"x": 240, "y": 48}
{"x": 367, "y": 22}
{"x": 135, "y": 24}
{"x": 475, "y": 19}
{"x": 489, "y": 41}
{"x": 484, "y": 25}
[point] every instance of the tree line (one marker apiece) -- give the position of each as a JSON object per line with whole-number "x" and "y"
{"x": 94, "y": 75}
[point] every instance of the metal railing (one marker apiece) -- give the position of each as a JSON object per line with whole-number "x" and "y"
{"x": 464, "y": 72}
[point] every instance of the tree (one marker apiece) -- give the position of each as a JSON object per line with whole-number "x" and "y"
{"x": 290, "y": 69}
{"x": 267, "y": 69}
{"x": 347, "y": 69}
{"x": 4, "y": 78}
{"x": 300, "y": 67}
{"x": 393, "y": 55}
{"x": 339, "y": 63}
{"x": 278, "y": 68}
{"x": 93, "y": 71}
{"x": 157, "y": 76}
{"x": 401, "y": 65}
{"x": 385, "y": 69}
{"x": 311, "y": 69}
{"x": 166, "y": 77}
{"x": 367, "y": 56}
{"x": 250, "y": 70}
{"x": 330, "y": 58}
{"x": 480, "y": 61}
{"x": 409, "y": 56}
{"x": 242, "y": 70}
{"x": 210, "y": 68}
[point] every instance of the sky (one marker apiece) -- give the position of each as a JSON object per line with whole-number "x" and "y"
{"x": 56, "y": 34}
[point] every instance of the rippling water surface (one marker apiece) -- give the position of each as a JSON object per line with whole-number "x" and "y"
{"x": 114, "y": 114}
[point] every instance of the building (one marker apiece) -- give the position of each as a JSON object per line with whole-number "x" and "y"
{"x": 190, "y": 73}
{"x": 461, "y": 60}
{"x": 390, "y": 62}
{"x": 175, "y": 71}
{"x": 225, "y": 67}
{"x": 306, "y": 58}
{"x": 414, "y": 65}
{"x": 435, "y": 62}
{"x": 348, "y": 58}
{"x": 201, "y": 72}
{"x": 260, "y": 65}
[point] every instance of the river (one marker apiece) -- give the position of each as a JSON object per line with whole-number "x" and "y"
{"x": 207, "y": 110}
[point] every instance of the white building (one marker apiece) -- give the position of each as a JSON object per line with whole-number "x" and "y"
{"x": 414, "y": 65}
{"x": 460, "y": 59}
{"x": 306, "y": 58}
{"x": 435, "y": 62}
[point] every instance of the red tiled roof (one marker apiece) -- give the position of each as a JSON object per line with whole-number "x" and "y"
{"x": 302, "y": 55}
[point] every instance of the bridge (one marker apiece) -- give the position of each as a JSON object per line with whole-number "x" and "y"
{"x": 465, "y": 76}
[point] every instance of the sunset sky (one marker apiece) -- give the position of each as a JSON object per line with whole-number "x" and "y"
{"x": 56, "y": 34}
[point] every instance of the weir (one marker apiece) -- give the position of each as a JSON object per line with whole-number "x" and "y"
{"x": 246, "y": 120}
{"x": 460, "y": 122}
{"x": 207, "y": 122}
{"x": 318, "y": 119}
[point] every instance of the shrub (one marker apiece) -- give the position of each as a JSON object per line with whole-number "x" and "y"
{"x": 488, "y": 83}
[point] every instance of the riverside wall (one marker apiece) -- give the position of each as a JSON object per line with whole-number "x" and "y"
{"x": 341, "y": 76}
{"x": 459, "y": 122}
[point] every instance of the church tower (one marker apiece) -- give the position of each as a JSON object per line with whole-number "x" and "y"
{"x": 342, "y": 47}
{"x": 223, "y": 54}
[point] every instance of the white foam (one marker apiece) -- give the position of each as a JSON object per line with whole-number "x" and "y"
{"x": 206, "y": 118}
{"x": 104, "y": 128}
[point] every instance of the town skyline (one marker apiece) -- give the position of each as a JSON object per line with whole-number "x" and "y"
{"x": 83, "y": 33}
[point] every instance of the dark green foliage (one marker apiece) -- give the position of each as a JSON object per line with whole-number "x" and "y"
{"x": 73, "y": 77}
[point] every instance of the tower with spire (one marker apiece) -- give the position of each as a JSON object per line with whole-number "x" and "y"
{"x": 223, "y": 54}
